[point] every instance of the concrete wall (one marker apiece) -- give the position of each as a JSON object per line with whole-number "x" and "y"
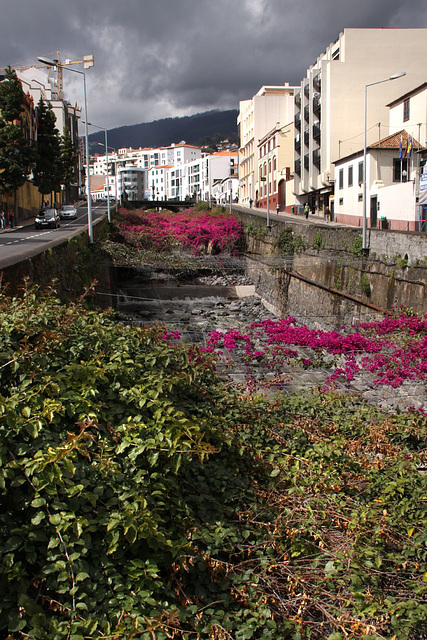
{"x": 328, "y": 277}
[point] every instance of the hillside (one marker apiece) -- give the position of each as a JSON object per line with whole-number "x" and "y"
{"x": 201, "y": 128}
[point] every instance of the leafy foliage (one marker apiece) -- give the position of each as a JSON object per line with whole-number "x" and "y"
{"x": 48, "y": 166}
{"x": 140, "y": 497}
{"x": 16, "y": 156}
{"x": 69, "y": 158}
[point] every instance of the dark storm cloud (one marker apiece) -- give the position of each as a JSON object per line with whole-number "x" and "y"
{"x": 163, "y": 58}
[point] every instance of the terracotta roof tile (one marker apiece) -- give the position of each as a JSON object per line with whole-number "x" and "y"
{"x": 393, "y": 141}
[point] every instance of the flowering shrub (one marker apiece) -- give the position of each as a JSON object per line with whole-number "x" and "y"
{"x": 195, "y": 230}
{"x": 393, "y": 349}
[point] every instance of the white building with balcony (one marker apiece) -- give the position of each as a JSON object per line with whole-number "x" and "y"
{"x": 329, "y": 105}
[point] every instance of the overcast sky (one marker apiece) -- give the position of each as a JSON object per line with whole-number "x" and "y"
{"x": 161, "y": 58}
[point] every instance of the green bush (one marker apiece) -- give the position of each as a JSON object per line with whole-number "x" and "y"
{"x": 356, "y": 246}
{"x": 284, "y": 242}
{"x": 142, "y": 498}
{"x": 317, "y": 240}
{"x": 202, "y": 206}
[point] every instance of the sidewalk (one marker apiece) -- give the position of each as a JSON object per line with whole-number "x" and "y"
{"x": 24, "y": 223}
{"x": 317, "y": 217}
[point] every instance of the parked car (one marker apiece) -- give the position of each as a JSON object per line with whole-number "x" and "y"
{"x": 47, "y": 218}
{"x": 68, "y": 212}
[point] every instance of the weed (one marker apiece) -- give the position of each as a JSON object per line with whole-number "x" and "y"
{"x": 317, "y": 240}
{"x": 365, "y": 285}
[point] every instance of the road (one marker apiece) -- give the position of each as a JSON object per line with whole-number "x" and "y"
{"x": 25, "y": 242}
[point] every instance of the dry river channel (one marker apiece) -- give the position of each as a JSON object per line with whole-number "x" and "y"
{"x": 199, "y": 304}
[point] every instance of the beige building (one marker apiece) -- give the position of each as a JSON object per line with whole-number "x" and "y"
{"x": 272, "y": 107}
{"x": 275, "y": 159}
{"x": 329, "y": 105}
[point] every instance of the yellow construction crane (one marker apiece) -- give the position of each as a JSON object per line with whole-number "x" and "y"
{"x": 88, "y": 62}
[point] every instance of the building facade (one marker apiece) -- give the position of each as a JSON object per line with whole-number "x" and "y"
{"x": 272, "y": 106}
{"x": 329, "y": 105}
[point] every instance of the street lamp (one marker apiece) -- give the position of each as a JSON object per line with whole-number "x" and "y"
{"x": 370, "y": 84}
{"x": 56, "y": 63}
{"x": 106, "y": 156}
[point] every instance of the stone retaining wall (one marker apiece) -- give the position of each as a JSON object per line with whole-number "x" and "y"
{"x": 319, "y": 269}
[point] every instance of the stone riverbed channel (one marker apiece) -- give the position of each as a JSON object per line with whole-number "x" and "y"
{"x": 197, "y": 306}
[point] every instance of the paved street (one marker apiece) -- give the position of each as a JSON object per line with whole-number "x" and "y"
{"x": 25, "y": 242}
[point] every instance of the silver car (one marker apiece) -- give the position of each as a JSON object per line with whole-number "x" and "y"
{"x": 68, "y": 212}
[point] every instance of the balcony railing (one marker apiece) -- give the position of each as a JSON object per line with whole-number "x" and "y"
{"x": 307, "y": 90}
{"x": 307, "y": 137}
{"x": 316, "y": 103}
{"x": 298, "y": 100}
{"x": 298, "y": 167}
{"x": 297, "y": 121}
{"x": 306, "y": 161}
{"x": 297, "y": 142}
{"x": 316, "y": 130}
{"x": 317, "y": 82}
{"x": 316, "y": 158}
{"x": 306, "y": 113}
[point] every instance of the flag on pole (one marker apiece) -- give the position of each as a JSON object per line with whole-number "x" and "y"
{"x": 409, "y": 149}
{"x": 400, "y": 148}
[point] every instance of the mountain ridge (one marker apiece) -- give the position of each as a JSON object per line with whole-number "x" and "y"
{"x": 206, "y": 128}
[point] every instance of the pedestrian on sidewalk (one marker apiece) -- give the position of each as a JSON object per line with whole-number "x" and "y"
{"x": 11, "y": 218}
{"x": 306, "y": 210}
{"x": 327, "y": 214}
{"x": 251, "y": 203}
{"x": 2, "y": 219}
{"x": 277, "y": 208}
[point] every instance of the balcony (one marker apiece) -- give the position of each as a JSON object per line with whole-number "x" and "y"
{"x": 307, "y": 113}
{"x": 298, "y": 167}
{"x": 297, "y": 121}
{"x": 298, "y": 100}
{"x": 316, "y": 131}
{"x": 306, "y": 161}
{"x": 316, "y": 103}
{"x": 307, "y": 90}
{"x": 316, "y": 158}
{"x": 307, "y": 137}
{"x": 297, "y": 142}
{"x": 317, "y": 82}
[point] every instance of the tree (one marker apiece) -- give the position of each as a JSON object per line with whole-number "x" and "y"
{"x": 69, "y": 158}
{"x": 16, "y": 156}
{"x": 48, "y": 167}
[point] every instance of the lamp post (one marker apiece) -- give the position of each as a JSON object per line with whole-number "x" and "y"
{"x": 56, "y": 63}
{"x": 106, "y": 156}
{"x": 370, "y": 84}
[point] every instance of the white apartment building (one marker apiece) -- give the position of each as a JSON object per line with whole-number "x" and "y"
{"x": 132, "y": 183}
{"x": 216, "y": 167}
{"x": 223, "y": 189}
{"x": 272, "y": 106}
{"x": 158, "y": 178}
{"x": 329, "y": 105}
{"x": 148, "y": 159}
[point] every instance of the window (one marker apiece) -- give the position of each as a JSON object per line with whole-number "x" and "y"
{"x": 341, "y": 201}
{"x": 360, "y": 197}
{"x": 400, "y": 169}
{"x": 360, "y": 179}
{"x": 341, "y": 179}
{"x": 406, "y": 110}
{"x": 350, "y": 176}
